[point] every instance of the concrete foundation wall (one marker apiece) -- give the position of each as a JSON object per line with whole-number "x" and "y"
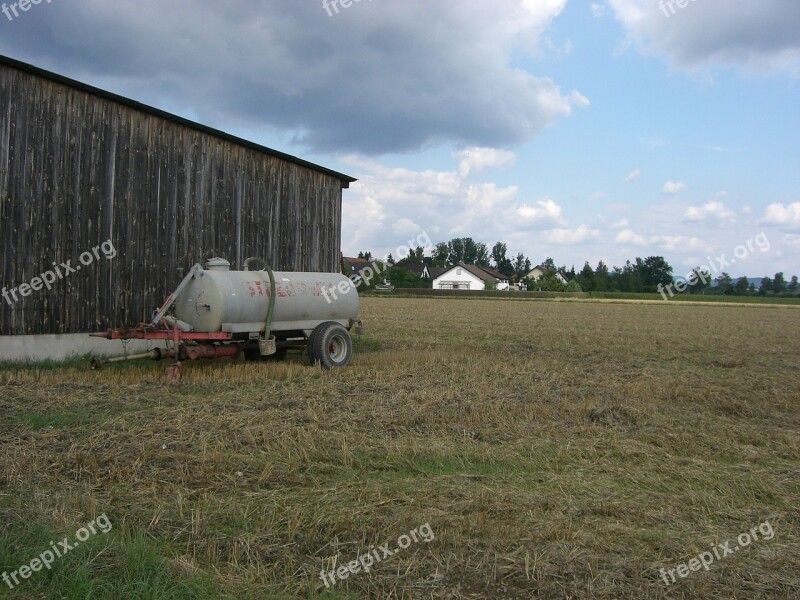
{"x": 30, "y": 348}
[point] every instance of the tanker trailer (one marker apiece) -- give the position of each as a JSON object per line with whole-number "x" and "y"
{"x": 262, "y": 313}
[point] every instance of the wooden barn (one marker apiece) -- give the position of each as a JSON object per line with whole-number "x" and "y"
{"x": 80, "y": 167}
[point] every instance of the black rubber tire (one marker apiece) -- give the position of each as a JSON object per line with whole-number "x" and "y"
{"x": 330, "y": 346}
{"x": 313, "y": 335}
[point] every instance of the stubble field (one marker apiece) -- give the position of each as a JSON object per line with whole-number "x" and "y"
{"x": 552, "y": 450}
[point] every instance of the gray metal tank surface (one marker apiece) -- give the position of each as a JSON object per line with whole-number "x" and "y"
{"x": 218, "y": 299}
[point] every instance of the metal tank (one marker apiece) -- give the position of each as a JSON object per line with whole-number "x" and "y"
{"x": 218, "y": 299}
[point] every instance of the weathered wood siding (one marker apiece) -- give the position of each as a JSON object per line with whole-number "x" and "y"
{"x": 77, "y": 170}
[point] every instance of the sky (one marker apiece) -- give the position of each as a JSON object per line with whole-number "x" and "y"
{"x": 577, "y": 130}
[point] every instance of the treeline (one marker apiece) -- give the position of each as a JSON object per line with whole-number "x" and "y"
{"x": 642, "y": 275}
{"x": 770, "y": 286}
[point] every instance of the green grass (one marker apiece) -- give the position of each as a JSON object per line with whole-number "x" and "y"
{"x": 116, "y": 564}
{"x": 74, "y": 362}
{"x": 39, "y": 421}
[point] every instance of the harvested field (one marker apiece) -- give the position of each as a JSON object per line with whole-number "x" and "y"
{"x": 554, "y": 449}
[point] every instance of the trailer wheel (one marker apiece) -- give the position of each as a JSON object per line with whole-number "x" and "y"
{"x": 330, "y": 346}
{"x": 313, "y": 336}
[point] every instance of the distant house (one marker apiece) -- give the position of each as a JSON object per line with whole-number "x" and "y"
{"x": 539, "y": 271}
{"x": 437, "y": 271}
{"x": 421, "y": 270}
{"x": 500, "y": 279}
{"x": 468, "y": 277}
{"x": 355, "y": 266}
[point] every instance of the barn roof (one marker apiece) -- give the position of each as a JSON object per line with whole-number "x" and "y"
{"x": 28, "y": 68}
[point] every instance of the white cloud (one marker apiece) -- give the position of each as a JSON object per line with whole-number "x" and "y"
{"x": 621, "y": 224}
{"x": 542, "y": 210}
{"x": 756, "y": 36}
{"x": 571, "y": 236}
{"x": 792, "y": 240}
{"x": 680, "y": 242}
{"x": 389, "y": 204}
{"x": 628, "y": 237}
{"x": 405, "y": 226}
{"x": 713, "y": 209}
{"x": 633, "y": 175}
{"x": 785, "y": 216}
{"x": 543, "y": 11}
{"x": 477, "y": 159}
{"x": 674, "y": 187}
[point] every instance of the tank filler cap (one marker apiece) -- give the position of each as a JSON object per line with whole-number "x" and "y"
{"x": 217, "y": 264}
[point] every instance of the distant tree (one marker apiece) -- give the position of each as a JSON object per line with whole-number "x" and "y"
{"x": 456, "y": 251}
{"x": 699, "y": 281}
{"x": 778, "y": 283}
{"x": 464, "y": 250}
{"x": 365, "y": 255}
{"x": 402, "y": 278}
{"x": 390, "y": 260}
{"x": 441, "y": 254}
{"x": 482, "y": 255}
{"x": 586, "y": 278}
{"x": 793, "y": 286}
{"x": 470, "y": 251}
{"x": 742, "y": 286}
{"x": 498, "y": 253}
{"x": 415, "y": 255}
{"x": 628, "y": 278}
{"x": 601, "y": 278}
{"x": 766, "y": 286}
{"x": 548, "y": 282}
{"x": 548, "y": 265}
{"x": 725, "y": 283}
{"x": 653, "y": 270}
{"x": 501, "y": 261}
{"x": 522, "y": 266}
